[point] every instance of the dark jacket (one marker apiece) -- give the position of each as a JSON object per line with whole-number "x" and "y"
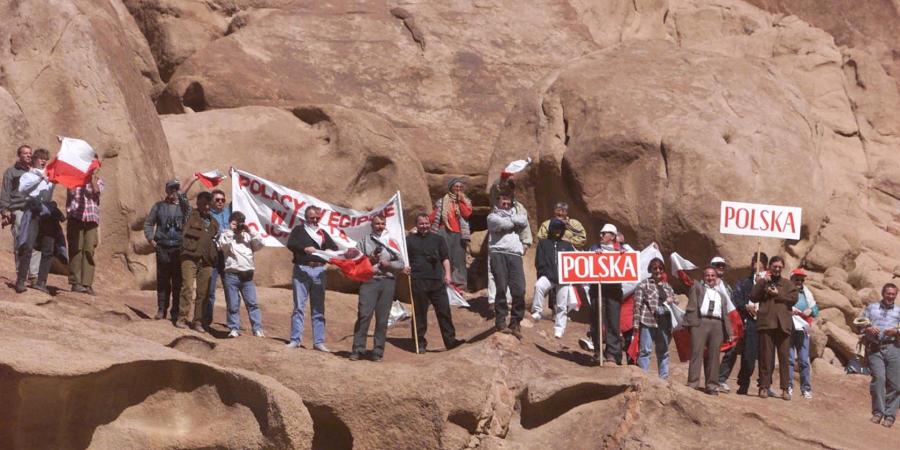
{"x": 165, "y": 223}
{"x": 10, "y": 198}
{"x": 692, "y": 311}
{"x": 300, "y": 239}
{"x": 775, "y": 309}
{"x": 546, "y": 259}
{"x": 198, "y": 242}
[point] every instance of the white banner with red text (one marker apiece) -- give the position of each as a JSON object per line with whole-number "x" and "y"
{"x": 593, "y": 267}
{"x": 274, "y": 210}
{"x": 751, "y": 219}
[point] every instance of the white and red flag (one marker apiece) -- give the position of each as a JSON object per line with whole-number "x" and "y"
{"x": 211, "y": 178}
{"x": 74, "y": 163}
{"x": 680, "y": 267}
{"x": 515, "y": 167}
{"x": 353, "y": 264}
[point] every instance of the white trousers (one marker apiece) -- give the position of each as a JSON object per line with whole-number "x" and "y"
{"x": 565, "y": 300}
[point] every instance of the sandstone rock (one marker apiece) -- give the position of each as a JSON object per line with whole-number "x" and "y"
{"x": 818, "y": 341}
{"x": 834, "y": 315}
{"x": 869, "y": 295}
{"x": 70, "y": 67}
{"x": 841, "y": 341}
{"x": 822, "y": 367}
{"x": 836, "y": 273}
{"x": 339, "y": 155}
{"x": 827, "y": 298}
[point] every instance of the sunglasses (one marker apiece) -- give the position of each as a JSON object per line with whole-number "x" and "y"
{"x": 218, "y": 200}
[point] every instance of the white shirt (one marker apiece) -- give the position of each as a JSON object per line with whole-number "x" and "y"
{"x": 34, "y": 183}
{"x": 313, "y": 232}
{"x": 713, "y": 299}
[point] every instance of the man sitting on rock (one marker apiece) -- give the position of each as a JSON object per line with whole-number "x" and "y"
{"x": 546, "y": 262}
{"x": 430, "y": 272}
{"x": 882, "y": 338}
{"x": 574, "y": 230}
{"x": 506, "y": 250}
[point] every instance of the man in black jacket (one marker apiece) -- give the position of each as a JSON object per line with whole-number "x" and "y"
{"x": 429, "y": 269}
{"x": 748, "y": 346}
{"x": 162, "y": 229}
{"x": 546, "y": 261}
{"x": 309, "y": 277}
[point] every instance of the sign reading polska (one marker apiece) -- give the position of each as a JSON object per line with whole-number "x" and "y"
{"x": 592, "y": 267}
{"x": 750, "y": 219}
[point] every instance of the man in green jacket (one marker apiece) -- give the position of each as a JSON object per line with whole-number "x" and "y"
{"x": 198, "y": 257}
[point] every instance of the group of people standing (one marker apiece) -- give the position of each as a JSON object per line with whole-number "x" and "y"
{"x": 35, "y": 220}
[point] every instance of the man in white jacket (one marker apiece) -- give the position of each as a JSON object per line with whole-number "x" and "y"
{"x": 506, "y": 250}
{"x": 238, "y": 243}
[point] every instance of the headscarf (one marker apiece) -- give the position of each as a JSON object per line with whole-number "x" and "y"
{"x": 447, "y": 202}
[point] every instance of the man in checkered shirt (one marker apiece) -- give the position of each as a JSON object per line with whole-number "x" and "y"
{"x": 82, "y": 232}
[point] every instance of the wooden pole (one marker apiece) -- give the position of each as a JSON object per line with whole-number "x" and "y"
{"x": 758, "y": 252}
{"x": 599, "y": 329}
{"x": 412, "y": 303}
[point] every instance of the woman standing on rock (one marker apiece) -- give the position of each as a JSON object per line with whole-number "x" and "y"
{"x": 652, "y": 318}
{"x": 450, "y": 220}
{"x": 237, "y": 244}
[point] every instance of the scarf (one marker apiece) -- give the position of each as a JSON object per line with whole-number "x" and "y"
{"x": 447, "y": 209}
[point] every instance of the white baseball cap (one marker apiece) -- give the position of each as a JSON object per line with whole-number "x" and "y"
{"x": 609, "y": 228}
{"x": 717, "y": 260}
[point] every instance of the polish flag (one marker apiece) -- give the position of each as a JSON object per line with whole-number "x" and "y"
{"x": 74, "y": 163}
{"x": 353, "y": 264}
{"x": 210, "y": 179}
{"x": 680, "y": 266}
{"x": 456, "y": 297}
{"x": 515, "y": 167}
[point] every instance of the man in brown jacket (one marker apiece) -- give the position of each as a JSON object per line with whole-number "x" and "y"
{"x": 775, "y": 295}
{"x": 706, "y": 315}
{"x": 198, "y": 257}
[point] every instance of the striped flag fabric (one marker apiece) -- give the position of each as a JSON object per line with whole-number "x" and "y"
{"x": 211, "y": 178}
{"x": 353, "y": 264}
{"x": 74, "y": 163}
{"x": 680, "y": 266}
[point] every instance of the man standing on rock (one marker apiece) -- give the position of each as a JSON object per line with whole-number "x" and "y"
{"x": 718, "y": 263}
{"x": 507, "y": 186}
{"x": 198, "y": 257}
{"x": 222, "y": 213}
{"x": 804, "y": 311}
{"x": 882, "y": 339}
{"x": 575, "y": 233}
{"x": 506, "y": 250}
{"x": 748, "y": 346}
{"x": 82, "y": 231}
{"x": 376, "y": 294}
{"x": 612, "y": 305}
{"x": 450, "y": 219}
{"x": 12, "y": 203}
{"x": 309, "y": 277}
{"x": 162, "y": 229}
{"x": 430, "y": 272}
{"x": 776, "y": 295}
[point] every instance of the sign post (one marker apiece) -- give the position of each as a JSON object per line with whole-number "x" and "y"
{"x": 599, "y": 268}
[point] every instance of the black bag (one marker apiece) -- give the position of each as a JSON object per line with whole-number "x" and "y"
{"x": 856, "y": 367}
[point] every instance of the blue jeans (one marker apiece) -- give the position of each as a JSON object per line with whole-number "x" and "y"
{"x": 237, "y": 285}
{"x": 218, "y": 272}
{"x": 800, "y": 346}
{"x": 309, "y": 284}
{"x": 658, "y": 338}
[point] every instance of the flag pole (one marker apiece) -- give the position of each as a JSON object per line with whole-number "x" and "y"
{"x": 599, "y": 329}
{"x": 412, "y": 300}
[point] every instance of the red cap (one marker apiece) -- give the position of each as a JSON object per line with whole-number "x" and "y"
{"x": 798, "y": 272}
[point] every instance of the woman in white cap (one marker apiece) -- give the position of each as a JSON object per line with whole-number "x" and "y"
{"x": 612, "y": 304}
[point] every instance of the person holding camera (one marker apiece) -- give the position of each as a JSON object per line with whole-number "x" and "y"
{"x": 237, "y": 244}
{"x": 881, "y": 334}
{"x": 162, "y": 229}
{"x": 430, "y": 272}
{"x": 376, "y": 294}
{"x": 776, "y": 296}
{"x": 652, "y": 317}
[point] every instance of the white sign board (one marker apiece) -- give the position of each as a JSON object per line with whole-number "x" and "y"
{"x": 751, "y": 219}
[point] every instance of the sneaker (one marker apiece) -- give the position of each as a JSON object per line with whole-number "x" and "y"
{"x": 586, "y": 344}
{"x": 790, "y": 390}
{"x": 321, "y": 348}
{"x": 234, "y": 333}
{"x": 78, "y": 289}
{"x": 558, "y": 334}
{"x": 807, "y": 395}
{"x": 259, "y": 333}
{"x": 536, "y": 316}
{"x": 354, "y": 357}
{"x": 724, "y": 388}
{"x": 293, "y": 344}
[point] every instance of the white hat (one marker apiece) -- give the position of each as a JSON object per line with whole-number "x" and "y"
{"x": 609, "y": 228}
{"x": 717, "y": 260}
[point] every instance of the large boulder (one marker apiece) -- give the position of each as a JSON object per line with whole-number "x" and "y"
{"x": 347, "y": 157}
{"x": 71, "y": 68}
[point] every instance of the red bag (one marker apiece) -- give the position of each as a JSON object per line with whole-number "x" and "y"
{"x": 683, "y": 343}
